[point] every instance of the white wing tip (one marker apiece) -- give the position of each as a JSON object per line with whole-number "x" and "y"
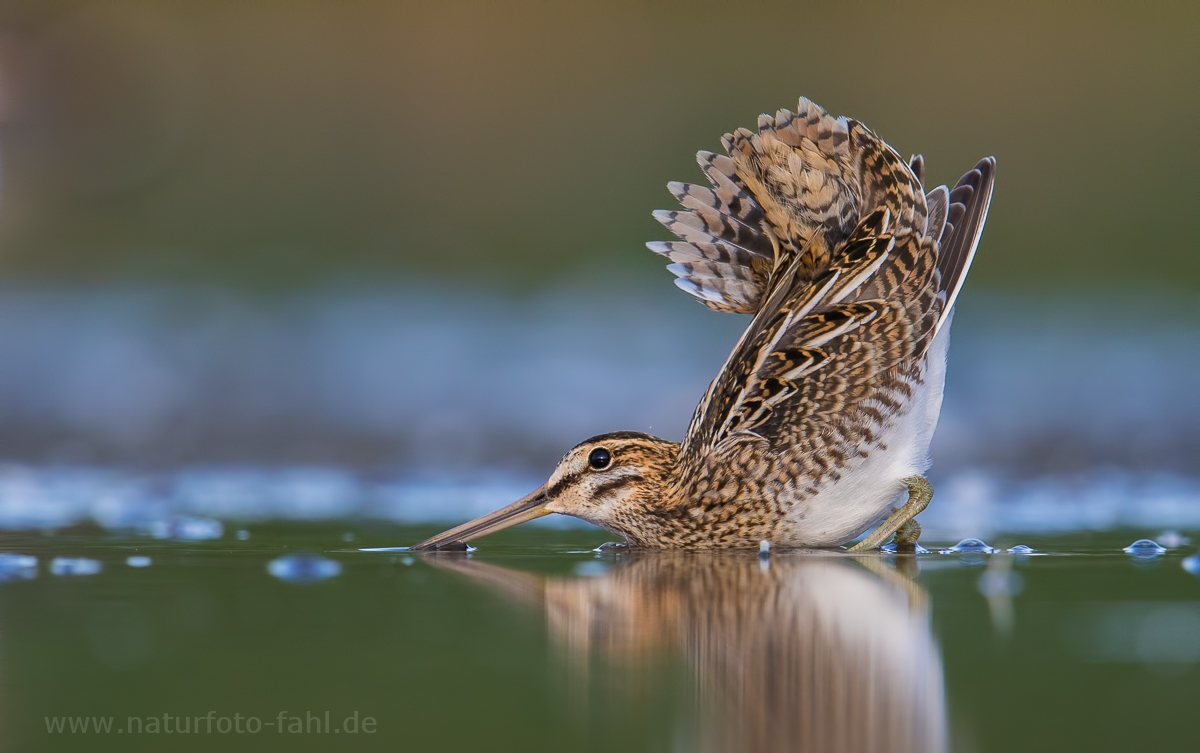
{"x": 699, "y": 291}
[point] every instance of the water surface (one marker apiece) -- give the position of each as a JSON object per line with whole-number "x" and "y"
{"x": 537, "y": 642}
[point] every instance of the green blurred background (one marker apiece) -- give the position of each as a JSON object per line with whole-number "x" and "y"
{"x": 273, "y": 145}
{"x": 368, "y": 259}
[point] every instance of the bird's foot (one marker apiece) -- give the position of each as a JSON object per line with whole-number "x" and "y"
{"x": 901, "y": 522}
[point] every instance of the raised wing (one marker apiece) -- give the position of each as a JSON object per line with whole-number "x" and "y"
{"x": 785, "y": 195}
{"x": 826, "y": 235}
{"x": 825, "y": 361}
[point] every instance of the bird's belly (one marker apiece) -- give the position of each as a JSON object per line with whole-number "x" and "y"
{"x": 870, "y": 488}
{"x": 853, "y": 504}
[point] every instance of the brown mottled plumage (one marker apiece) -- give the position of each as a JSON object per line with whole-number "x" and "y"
{"x": 821, "y": 417}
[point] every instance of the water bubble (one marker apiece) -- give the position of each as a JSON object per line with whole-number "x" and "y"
{"x": 406, "y": 561}
{"x": 890, "y": 548}
{"x": 1192, "y": 565}
{"x": 347, "y": 537}
{"x": 17, "y": 566}
{"x": 764, "y": 555}
{"x": 243, "y": 535}
{"x": 186, "y": 528}
{"x": 1145, "y": 549}
{"x": 75, "y": 566}
{"x": 138, "y": 560}
{"x": 1021, "y": 549}
{"x": 304, "y": 568}
{"x": 969, "y": 546}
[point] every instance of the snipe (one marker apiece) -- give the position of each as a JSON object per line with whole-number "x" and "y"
{"x": 819, "y": 423}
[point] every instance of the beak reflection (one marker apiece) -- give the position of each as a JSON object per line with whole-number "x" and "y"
{"x": 529, "y": 507}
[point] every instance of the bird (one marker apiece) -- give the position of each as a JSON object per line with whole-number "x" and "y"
{"x": 817, "y": 427}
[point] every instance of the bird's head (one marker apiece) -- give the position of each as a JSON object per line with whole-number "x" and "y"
{"x": 603, "y": 480}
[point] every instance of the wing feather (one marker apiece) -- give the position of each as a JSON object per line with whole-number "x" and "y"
{"x": 813, "y": 328}
{"x": 792, "y": 190}
{"x": 917, "y": 164}
{"x": 826, "y": 235}
{"x": 938, "y": 201}
{"x": 973, "y": 193}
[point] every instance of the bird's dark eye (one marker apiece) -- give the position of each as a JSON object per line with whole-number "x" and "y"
{"x": 599, "y": 458}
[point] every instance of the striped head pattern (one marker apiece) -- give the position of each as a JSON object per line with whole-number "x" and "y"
{"x": 604, "y": 478}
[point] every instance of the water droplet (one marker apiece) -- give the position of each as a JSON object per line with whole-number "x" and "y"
{"x": 243, "y": 535}
{"x": 138, "y": 560}
{"x": 304, "y": 568}
{"x": 1021, "y": 549}
{"x": 969, "y": 546}
{"x": 17, "y": 566}
{"x": 1145, "y": 548}
{"x": 75, "y": 566}
{"x": 1192, "y": 565}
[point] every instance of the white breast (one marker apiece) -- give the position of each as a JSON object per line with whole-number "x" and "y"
{"x": 869, "y": 490}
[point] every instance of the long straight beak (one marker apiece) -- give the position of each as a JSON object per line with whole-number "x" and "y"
{"x": 527, "y": 508}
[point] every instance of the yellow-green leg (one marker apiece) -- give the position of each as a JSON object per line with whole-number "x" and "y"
{"x": 901, "y": 522}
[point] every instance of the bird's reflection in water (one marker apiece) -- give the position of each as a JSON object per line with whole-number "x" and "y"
{"x": 797, "y": 653}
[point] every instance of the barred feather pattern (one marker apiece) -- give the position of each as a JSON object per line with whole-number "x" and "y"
{"x": 825, "y": 234}
{"x": 810, "y": 392}
{"x": 792, "y": 191}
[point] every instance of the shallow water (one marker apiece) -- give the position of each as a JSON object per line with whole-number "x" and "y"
{"x": 537, "y": 642}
